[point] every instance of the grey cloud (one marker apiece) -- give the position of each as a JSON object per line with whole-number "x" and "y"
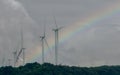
{"x": 95, "y": 47}
{"x": 11, "y": 21}
{"x": 102, "y": 47}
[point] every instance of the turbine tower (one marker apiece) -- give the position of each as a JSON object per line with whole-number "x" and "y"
{"x": 9, "y": 62}
{"x": 15, "y": 55}
{"x": 3, "y": 61}
{"x": 56, "y": 30}
{"x": 43, "y": 40}
{"x": 22, "y": 48}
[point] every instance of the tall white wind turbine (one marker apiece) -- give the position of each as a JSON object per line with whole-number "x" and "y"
{"x": 56, "y": 30}
{"x": 22, "y": 50}
{"x": 44, "y": 41}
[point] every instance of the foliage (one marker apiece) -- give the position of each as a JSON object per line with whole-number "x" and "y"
{"x": 50, "y": 69}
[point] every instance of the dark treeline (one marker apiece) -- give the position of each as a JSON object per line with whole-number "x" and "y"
{"x": 50, "y": 69}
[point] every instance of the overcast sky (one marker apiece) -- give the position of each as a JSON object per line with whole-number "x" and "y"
{"x": 99, "y": 45}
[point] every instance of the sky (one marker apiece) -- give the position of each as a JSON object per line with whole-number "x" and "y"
{"x": 90, "y": 34}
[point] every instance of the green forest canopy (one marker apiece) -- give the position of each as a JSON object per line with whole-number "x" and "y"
{"x": 50, "y": 69}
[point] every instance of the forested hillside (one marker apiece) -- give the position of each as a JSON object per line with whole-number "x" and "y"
{"x": 50, "y": 69}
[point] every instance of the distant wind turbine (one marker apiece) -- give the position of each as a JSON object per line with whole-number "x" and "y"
{"x": 56, "y": 30}
{"x": 44, "y": 41}
{"x": 22, "y": 50}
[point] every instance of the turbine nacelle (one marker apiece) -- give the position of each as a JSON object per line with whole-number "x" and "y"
{"x": 23, "y": 48}
{"x": 57, "y": 29}
{"x": 42, "y": 37}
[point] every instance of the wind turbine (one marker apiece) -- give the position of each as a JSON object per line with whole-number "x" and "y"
{"x": 56, "y": 30}
{"x": 43, "y": 40}
{"x": 22, "y": 50}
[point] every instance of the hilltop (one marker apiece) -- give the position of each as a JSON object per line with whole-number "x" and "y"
{"x": 50, "y": 69}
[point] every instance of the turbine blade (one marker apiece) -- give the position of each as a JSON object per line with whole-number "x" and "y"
{"x": 47, "y": 43}
{"x": 21, "y": 32}
{"x": 41, "y": 38}
{"x": 18, "y": 55}
{"x": 20, "y": 59}
{"x": 44, "y": 27}
{"x": 60, "y": 28}
{"x": 55, "y": 22}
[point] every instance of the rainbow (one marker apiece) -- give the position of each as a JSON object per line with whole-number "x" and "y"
{"x": 80, "y": 26}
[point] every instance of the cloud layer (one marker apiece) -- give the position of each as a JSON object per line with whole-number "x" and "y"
{"x": 97, "y": 46}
